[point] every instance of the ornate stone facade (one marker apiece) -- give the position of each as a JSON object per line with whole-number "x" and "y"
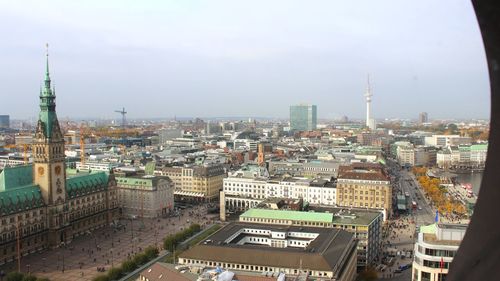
{"x": 43, "y": 204}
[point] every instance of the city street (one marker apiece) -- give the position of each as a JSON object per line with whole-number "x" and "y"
{"x": 106, "y": 247}
{"x": 402, "y": 230}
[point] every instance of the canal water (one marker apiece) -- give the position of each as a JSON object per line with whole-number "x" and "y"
{"x": 473, "y": 178}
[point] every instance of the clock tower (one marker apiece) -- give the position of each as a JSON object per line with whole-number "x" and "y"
{"x": 49, "y": 163}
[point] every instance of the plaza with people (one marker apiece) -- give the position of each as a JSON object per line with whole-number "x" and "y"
{"x": 96, "y": 252}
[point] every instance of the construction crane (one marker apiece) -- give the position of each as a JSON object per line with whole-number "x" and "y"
{"x": 82, "y": 146}
{"x": 123, "y": 113}
{"x": 24, "y": 147}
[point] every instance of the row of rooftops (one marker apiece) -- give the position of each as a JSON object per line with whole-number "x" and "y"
{"x": 364, "y": 171}
{"x": 198, "y": 170}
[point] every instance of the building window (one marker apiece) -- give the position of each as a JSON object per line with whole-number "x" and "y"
{"x": 426, "y": 276}
{"x": 441, "y": 276}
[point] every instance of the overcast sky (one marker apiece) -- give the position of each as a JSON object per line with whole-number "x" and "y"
{"x": 244, "y": 58}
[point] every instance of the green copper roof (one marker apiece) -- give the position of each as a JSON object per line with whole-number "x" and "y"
{"x": 479, "y": 147}
{"x": 289, "y": 215}
{"x": 464, "y": 148}
{"x": 136, "y": 181}
{"x": 46, "y": 91}
{"x": 49, "y": 118}
{"x": 47, "y": 105}
{"x": 17, "y": 176}
{"x": 20, "y": 199}
{"x": 83, "y": 183}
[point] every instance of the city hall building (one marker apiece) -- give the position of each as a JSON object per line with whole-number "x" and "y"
{"x": 43, "y": 204}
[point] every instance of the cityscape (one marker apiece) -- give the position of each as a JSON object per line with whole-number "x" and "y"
{"x": 288, "y": 189}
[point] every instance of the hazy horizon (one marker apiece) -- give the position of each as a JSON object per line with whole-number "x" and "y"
{"x": 160, "y": 59}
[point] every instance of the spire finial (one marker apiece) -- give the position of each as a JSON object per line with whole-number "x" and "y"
{"x": 47, "y": 67}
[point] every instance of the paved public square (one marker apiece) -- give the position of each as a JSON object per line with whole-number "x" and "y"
{"x": 107, "y": 247}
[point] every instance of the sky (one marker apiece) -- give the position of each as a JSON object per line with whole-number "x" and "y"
{"x": 160, "y": 59}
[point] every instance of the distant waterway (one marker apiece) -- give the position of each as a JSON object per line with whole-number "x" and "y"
{"x": 473, "y": 178}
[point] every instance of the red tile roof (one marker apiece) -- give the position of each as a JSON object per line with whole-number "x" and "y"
{"x": 363, "y": 171}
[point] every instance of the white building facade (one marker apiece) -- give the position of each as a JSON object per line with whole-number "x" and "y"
{"x": 464, "y": 156}
{"x": 436, "y": 246}
{"x": 241, "y": 193}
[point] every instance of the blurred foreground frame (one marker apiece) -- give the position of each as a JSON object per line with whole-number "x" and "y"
{"x": 478, "y": 257}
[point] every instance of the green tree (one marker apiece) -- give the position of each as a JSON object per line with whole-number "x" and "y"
{"x": 140, "y": 259}
{"x": 195, "y": 227}
{"x": 151, "y": 252}
{"x": 14, "y": 276}
{"x": 179, "y": 237}
{"x": 101, "y": 278}
{"x": 29, "y": 278}
{"x": 128, "y": 266}
{"x": 169, "y": 243}
{"x": 115, "y": 273}
{"x": 453, "y": 129}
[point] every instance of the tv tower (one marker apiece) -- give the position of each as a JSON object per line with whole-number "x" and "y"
{"x": 368, "y": 95}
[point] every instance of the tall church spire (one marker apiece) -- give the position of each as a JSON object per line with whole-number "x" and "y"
{"x": 47, "y": 91}
{"x": 47, "y": 103}
{"x": 48, "y": 157}
{"x": 47, "y": 77}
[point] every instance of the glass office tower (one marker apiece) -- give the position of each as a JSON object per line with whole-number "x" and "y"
{"x": 303, "y": 117}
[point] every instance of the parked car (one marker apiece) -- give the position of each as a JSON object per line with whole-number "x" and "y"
{"x": 404, "y": 267}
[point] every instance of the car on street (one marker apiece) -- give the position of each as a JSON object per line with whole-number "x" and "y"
{"x": 404, "y": 267}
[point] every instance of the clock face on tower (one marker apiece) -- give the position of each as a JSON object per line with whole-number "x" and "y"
{"x": 58, "y": 170}
{"x": 40, "y": 171}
